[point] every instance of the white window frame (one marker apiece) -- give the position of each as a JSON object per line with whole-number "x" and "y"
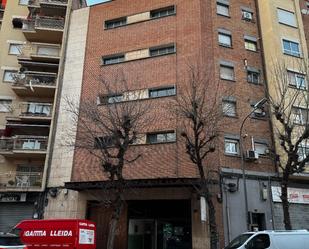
{"x": 17, "y": 46}
{"x": 5, "y": 107}
{"x": 8, "y": 72}
{"x": 303, "y": 147}
{"x": 23, "y": 2}
{"x": 229, "y": 108}
{"x": 286, "y": 22}
{"x": 230, "y": 67}
{"x": 297, "y": 76}
{"x": 249, "y": 42}
{"x": 257, "y": 143}
{"x": 225, "y": 36}
{"x": 290, "y": 52}
{"x": 225, "y": 6}
{"x": 229, "y": 144}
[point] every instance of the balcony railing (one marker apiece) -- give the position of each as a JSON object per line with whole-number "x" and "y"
{"x": 53, "y": 1}
{"x": 39, "y": 50}
{"x": 30, "y": 109}
{"x": 23, "y": 143}
{"x": 34, "y": 80}
{"x": 20, "y": 179}
{"x": 42, "y": 23}
{"x": 49, "y": 23}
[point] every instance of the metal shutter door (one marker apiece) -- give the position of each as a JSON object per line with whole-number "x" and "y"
{"x": 12, "y": 213}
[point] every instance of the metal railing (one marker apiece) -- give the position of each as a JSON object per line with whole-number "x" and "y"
{"x": 24, "y": 143}
{"x": 42, "y": 22}
{"x": 34, "y": 80}
{"x": 20, "y": 179}
{"x": 54, "y": 1}
{"x": 49, "y": 23}
{"x": 31, "y": 109}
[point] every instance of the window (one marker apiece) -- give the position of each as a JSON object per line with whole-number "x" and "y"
{"x": 5, "y": 105}
{"x": 15, "y": 49}
{"x": 261, "y": 148}
{"x": 247, "y": 15}
{"x": 223, "y": 9}
{"x": 162, "y": 50}
{"x": 303, "y": 151}
{"x": 110, "y": 99}
{"x": 162, "y": 12}
{"x": 260, "y": 241}
{"x": 251, "y": 45}
{"x": 231, "y": 146}
{"x": 225, "y": 39}
{"x": 229, "y": 107}
{"x": 8, "y": 75}
{"x": 162, "y": 137}
{"x": 286, "y": 17}
{"x": 23, "y": 2}
{"x": 297, "y": 80}
{"x": 253, "y": 76}
{"x": 104, "y": 142}
{"x": 291, "y": 48}
{"x": 113, "y": 59}
{"x": 17, "y": 23}
{"x": 227, "y": 72}
{"x": 162, "y": 92}
{"x": 110, "y": 24}
{"x": 300, "y": 115}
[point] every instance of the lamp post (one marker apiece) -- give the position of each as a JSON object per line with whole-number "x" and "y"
{"x": 258, "y": 105}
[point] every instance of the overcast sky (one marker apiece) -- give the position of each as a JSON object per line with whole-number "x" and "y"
{"x": 91, "y": 2}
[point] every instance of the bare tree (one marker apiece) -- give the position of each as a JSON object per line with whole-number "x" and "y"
{"x": 290, "y": 105}
{"x": 199, "y": 111}
{"x": 107, "y": 128}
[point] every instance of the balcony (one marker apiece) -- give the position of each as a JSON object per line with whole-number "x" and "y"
{"x": 21, "y": 180}
{"x": 35, "y": 84}
{"x": 40, "y": 52}
{"x": 30, "y": 111}
{"x": 23, "y": 146}
{"x": 43, "y": 29}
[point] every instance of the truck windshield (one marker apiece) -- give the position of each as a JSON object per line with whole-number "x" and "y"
{"x": 238, "y": 241}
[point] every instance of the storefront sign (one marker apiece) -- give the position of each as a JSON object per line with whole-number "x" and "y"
{"x": 295, "y": 195}
{"x": 12, "y": 197}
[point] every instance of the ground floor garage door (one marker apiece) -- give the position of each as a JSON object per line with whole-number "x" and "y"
{"x": 12, "y": 213}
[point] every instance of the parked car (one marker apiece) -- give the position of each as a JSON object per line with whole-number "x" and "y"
{"x": 294, "y": 239}
{"x": 11, "y": 241}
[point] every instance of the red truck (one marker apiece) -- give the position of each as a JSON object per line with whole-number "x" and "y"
{"x": 58, "y": 233}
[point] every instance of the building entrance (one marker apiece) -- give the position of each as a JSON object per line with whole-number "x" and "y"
{"x": 159, "y": 225}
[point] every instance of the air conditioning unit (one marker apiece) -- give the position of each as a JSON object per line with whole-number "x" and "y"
{"x": 247, "y": 15}
{"x": 251, "y": 155}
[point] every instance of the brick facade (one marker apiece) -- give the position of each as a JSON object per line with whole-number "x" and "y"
{"x": 194, "y": 30}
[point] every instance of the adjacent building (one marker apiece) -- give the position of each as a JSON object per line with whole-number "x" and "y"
{"x": 32, "y": 41}
{"x": 284, "y": 32}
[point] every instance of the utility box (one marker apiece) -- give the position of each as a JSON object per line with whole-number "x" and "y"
{"x": 57, "y": 233}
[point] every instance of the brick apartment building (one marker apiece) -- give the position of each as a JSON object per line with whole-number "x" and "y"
{"x": 128, "y": 36}
{"x": 31, "y": 36}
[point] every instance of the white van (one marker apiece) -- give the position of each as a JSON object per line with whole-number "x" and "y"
{"x": 294, "y": 239}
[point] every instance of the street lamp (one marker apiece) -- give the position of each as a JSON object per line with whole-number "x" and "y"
{"x": 258, "y": 105}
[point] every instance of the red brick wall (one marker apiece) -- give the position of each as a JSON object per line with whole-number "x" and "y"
{"x": 194, "y": 30}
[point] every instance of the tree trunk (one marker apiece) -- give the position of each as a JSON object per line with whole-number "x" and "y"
{"x": 285, "y": 202}
{"x": 212, "y": 219}
{"x": 114, "y": 223}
